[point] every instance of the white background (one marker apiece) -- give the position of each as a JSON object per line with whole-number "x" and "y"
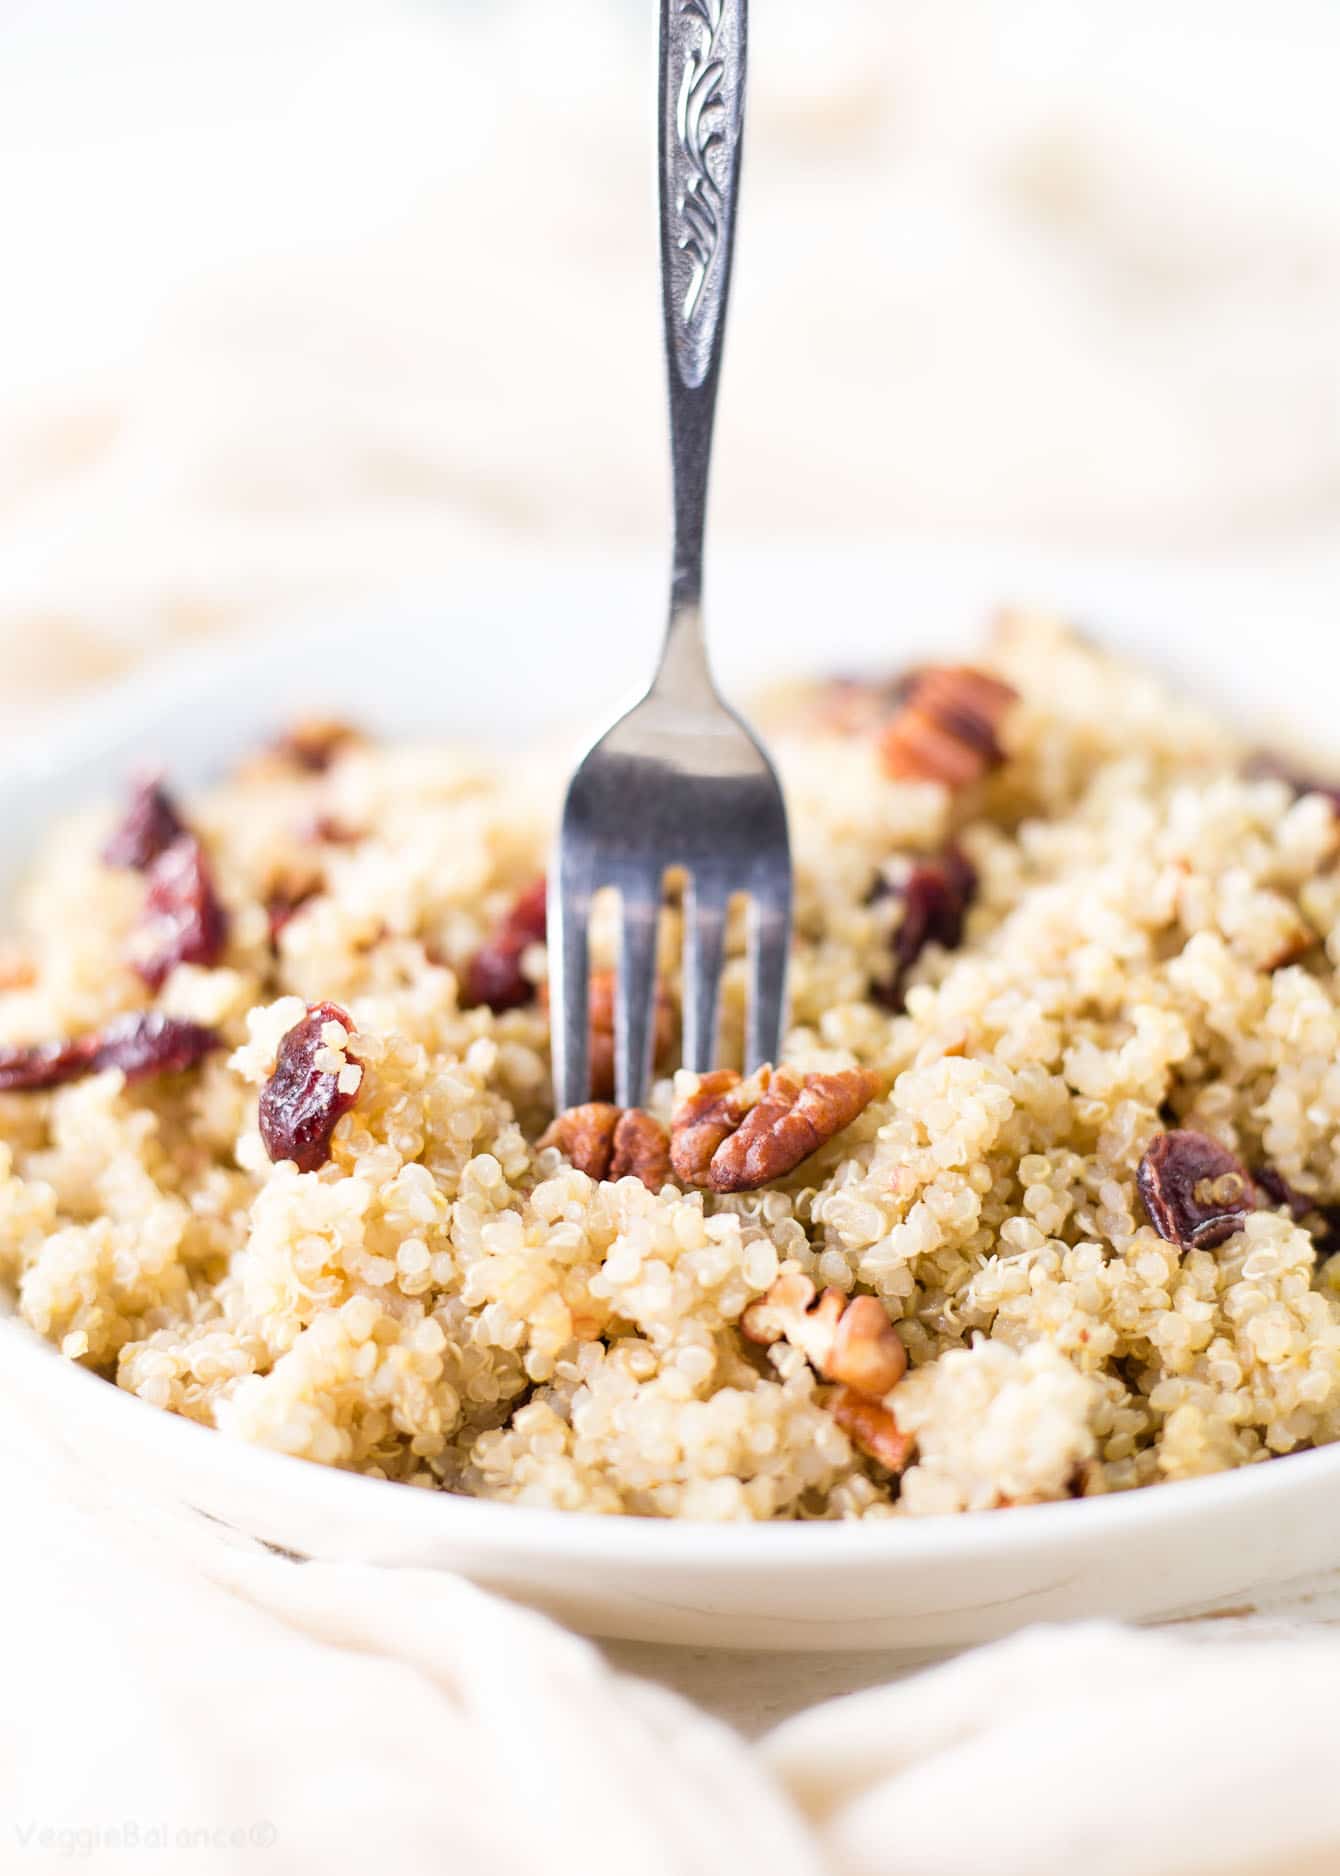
{"x": 303, "y": 300}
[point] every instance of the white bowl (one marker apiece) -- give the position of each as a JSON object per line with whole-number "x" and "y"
{"x": 534, "y": 647}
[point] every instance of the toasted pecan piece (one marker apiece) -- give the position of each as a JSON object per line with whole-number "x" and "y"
{"x": 601, "y": 1056}
{"x": 641, "y": 1148}
{"x": 735, "y": 1135}
{"x": 313, "y": 743}
{"x": 869, "y": 1424}
{"x": 948, "y": 728}
{"x": 845, "y": 1339}
{"x": 18, "y": 968}
{"x": 585, "y": 1135}
{"x": 600, "y": 1044}
{"x": 608, "y": 1142}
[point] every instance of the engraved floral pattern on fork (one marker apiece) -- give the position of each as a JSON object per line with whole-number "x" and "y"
{"x": 698, "y": 126}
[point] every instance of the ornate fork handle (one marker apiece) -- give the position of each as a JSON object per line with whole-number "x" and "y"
{"x": 701, "y": 125}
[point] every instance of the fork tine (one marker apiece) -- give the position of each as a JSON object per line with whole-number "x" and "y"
{"x": 639, "y": 910}
{"x": 569, "y": 914}
{"x": 705, "y": 903}
{"x": 769, "y": 943}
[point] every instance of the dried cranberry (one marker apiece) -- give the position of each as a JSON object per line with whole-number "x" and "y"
{"x": 150, "y": 826}
{"x": 152, "y": 1043}
{"x": 1279, "y": 1192}
{"x": 1195, "y": 1191}
{"x": 301, "y": 1103}
{"x": 494, "y": 975}
{"x": 935, "y": 894}
{"x": 146, "y": 1042}
{"x": 1266, "y": 766}
{"x": 44, "y": 1064}
{"x": 184, "y": 922}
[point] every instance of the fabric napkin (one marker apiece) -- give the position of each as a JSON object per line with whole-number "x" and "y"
{"x": 175, "y": 1701}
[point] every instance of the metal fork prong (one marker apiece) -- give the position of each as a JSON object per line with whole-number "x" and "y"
{"x": 569, "y": 915}
{"x": 639, "y": 912}
{"x": 705, "y": 905}
{"x": 769, "y": 944}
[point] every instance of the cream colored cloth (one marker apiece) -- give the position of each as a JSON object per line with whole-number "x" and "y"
{"x": 174, "y": 1702}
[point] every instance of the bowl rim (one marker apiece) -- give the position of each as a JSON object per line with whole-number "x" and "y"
{"x": 77, "y": 731}
{"x": 523, "y": 1531}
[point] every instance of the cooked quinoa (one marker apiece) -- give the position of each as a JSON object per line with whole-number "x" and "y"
{"x": 1151, "y": 946}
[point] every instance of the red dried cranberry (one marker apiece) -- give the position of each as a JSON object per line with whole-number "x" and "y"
{"x": 151, "y": 1043}
{"x": 44, "y": 1064}
{"x": 301, "y": 1103}
{"x": 494, "y": 975}
{"x": 1278, "y": 1191}
{"x": 146, "y": 1042}
{"x": 528, "y": 918}
{"x": 150, "y": 826}
{"x": 935, "y": 894}
{"x": 1266, "y": 766}
{"x": 184, "y": 922}
{"x": 1195, "y": 1191}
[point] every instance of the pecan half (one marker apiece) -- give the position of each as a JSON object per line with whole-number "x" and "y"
{"x": 735, "y": 1135}
{"x": 149, "y": 827}
{"x": 1195, "y": 1191}
{"x": 607, "y": 1142}
{"x": 641, "y": 1149}
{"x": 870, "y": 1425}
{"x": 601, "y": 1045}
{"x": 314, "y": 743}
{"x": 494, "y": 976}
{"x": 947, "y": 729}
{"x": 600, "y": 1041}
{"x": 848, "y": 1340}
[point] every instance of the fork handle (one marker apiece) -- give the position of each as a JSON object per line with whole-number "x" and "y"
{"x": 701, "y": 126}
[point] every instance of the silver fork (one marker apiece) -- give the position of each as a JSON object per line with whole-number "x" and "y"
{"x": 680, "y": 780}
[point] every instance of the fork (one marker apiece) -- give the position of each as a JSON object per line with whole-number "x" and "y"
{"x": 680, "y": 780}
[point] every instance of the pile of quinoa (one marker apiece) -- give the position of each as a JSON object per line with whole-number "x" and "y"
{"x": 1150, "y": 945}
